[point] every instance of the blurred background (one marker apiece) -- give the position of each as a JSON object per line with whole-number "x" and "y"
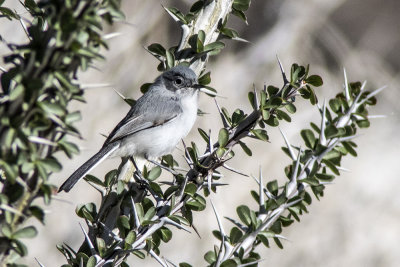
{"x": 357, "y": 223}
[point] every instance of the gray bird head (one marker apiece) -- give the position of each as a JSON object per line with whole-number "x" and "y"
{"x": 179, "y": 79}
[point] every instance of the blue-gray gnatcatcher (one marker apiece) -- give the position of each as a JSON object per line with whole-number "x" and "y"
{"x": 154, "y": 125}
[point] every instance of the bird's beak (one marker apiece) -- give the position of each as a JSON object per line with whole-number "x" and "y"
{"x": 198, "y": 86}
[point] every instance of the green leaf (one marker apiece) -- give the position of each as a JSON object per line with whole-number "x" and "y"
{"x": 87, "y": 211}
{"x": 278, "y": 243}
{"x": 237, "y": 117}
{"x": 283, "y": 115}
{"x": 335, "y": 104}
{"x": 264, "y": 240}
{"x": 363, "y": 123}
{"x": 218, "y": 45}
{"x": 51, "y": 164}
{"x": 203, "y": 134}
{"x": 30, "y": 4}
{"x": 331, "y": 166}
{"x": 169, "y": 160}
{"x": 109, "y": 178}
{"x": 170, "y": 60}
{"x": 201, "y": 36}
{"x": 156, "y": 189}
{"x": 8, "y": 13}
{"x": 244, "y": 214}
{"x": 6, "y": 230}
{"x": 185, "y": 264}
{"x": 325, "y": 177}
{"x": 272, "y": 90}
{"x": 39, "y": 166}
{"x": 313, "y": 97}
{"x": 198, "y": 203}
{"x": 179, "y": 219}
{"x": 178, "y": 14}
{"x": 130, "y": 238}
{"x": 349, "y": 148}
{"x": 157, "y": 49}
{"x": 223, "y": 137}
{"x": 73, "y": 117}
{"x": 331, "y": 131}
{"x": 267, "y": 234}
{"x": 315, "y": 127}
{"x": 68, "y": 147}
{"x": 260, "y": 134}
{"x": 200, "y": 42}
{"x": 240, "y": 14}
{"x": 220, "y": 152}
{"x": 314, "y": 80}
{"x": 205, "y": 79}
{"x": 235, "y": 235}
{"x": 272, "y": 186}
{"x": 149, "y": 214}
{"x": 274, "y": 102}
{"x": 123, "y": 222}
{"x": 166, "y": 234}
{"x": 251, "y": 97}
{"x": 290, "y": 108}
{"x": 17, "y": 91}
{"x": 37, "y": 212}
{"x": 229, "y": 263}
{"x": 197, "y": 6}
{"x": 27, "y": 232}
{"x": 91, "y": 262}
{"x": 145, "y": 87}
{"x": 308, "y": 137}
{"x": 241, "y": 5}
{"x": 139, "y": 254}
{"x": 10, "y": 170}
{"x": 154, "y": 173}
{"x": 226, "y": 115}
{"x": 210, "y": 257}
{"x": 190, "y": 189}
{"x": 10, "y": 135}
{"x": 20, "y": 248}
{"x": 101, "y": 246}
{"x": 93, "y": 179}
{"x": 245, "y": 148}
{"x": 265, "y": 114}
{"x": 230, "y": 33}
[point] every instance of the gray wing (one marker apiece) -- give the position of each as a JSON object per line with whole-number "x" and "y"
{"x": 151, "y": 110}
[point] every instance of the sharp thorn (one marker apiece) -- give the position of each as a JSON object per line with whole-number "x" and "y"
{"x": 38, "y": 262}
{"x": 224, "y": 122}
{"x": 285, "y": 80}
{"x": 346, "y": 86}
{"x": 288, "y": 145}
{"x": 91, "y": 247}
{"x": 97, "y": 85}
{"x": 111, "y": 35}
{"x": 135, "y": 215}
{"x": 233, "y": 170}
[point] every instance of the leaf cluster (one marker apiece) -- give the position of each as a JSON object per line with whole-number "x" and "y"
{"x": 313, "y": 168}
{"x": 36, "y": 88}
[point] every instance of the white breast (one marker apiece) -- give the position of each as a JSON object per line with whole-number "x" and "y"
{"x": 161, "y": 140}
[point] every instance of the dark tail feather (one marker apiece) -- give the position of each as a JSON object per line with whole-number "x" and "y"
{"x": 87, "y": 167}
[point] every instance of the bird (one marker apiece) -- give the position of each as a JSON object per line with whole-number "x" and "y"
{"x": 154, "y": 125}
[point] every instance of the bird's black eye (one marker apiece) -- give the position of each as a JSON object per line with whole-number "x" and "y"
{"x": 178, "y": 81}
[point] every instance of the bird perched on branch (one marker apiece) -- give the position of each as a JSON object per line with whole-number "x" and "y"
{"x": 154, "y": 125}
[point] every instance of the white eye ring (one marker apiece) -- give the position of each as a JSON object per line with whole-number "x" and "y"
{"x": 178, "y": 81}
